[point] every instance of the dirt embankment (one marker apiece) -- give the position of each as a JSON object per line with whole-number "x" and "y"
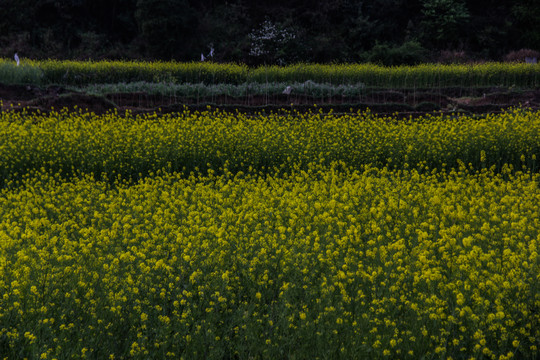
{"x": 33, "y": 98}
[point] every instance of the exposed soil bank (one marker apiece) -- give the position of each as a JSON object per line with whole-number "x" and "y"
{"x": 406, "y": 101}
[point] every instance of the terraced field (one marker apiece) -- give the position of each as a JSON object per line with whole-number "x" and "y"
{"x": 167, "y": 87}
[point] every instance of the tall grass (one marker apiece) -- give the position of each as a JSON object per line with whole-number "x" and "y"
{"x": 25, "y": 73}
{"x": 426, "y": 75}
{"x": 74, "y": 73}
{"x": 99, "y": 72}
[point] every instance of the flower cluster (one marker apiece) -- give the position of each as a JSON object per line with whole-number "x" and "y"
{"x": 270, "y": 39}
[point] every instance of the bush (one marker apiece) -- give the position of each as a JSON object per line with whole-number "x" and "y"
{"x": 409, "y": 53}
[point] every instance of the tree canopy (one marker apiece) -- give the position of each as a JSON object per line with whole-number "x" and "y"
{"x": 269, "y": 31}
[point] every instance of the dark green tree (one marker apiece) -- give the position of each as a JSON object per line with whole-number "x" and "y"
{"x": 115, "y": 18}
{"x": 487, "y": 33}
{"x": 224, "y": 26}
{"x": 443, "y": 21}
{"x": 169, "y": 28}
{"x": 318, "y": 30}
{"x": 527, "y": 23}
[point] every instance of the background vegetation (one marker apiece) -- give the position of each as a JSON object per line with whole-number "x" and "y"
{"x": 272, "y": 32}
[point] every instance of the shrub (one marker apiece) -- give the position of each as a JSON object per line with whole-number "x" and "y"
{"x": 521, "y": 55}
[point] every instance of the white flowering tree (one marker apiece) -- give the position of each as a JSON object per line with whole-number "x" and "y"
{"x": 270, "y": 42}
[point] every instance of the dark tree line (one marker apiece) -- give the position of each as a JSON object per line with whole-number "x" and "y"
{"x": 270, "y": 31}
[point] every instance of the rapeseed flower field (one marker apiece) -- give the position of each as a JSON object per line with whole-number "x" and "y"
{"x": 221, "y": 235}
